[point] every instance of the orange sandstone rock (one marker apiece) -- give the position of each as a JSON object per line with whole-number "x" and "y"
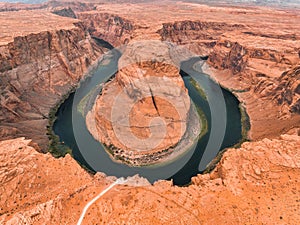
{"x": 257, "y": 183}
{"x": 144, "y": 110}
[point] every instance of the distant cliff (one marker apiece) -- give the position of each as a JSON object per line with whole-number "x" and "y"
{"x": 111, "y": 28}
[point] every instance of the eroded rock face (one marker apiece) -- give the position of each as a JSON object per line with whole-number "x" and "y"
{"x": 144, "y": 110}
{"x": 258, "y": 183}
{"x": 38, "y": 68}
{"x": 258, "y": 64}
{"x": 65, "y": 12}
{"x": 109, "y": 27}
{"x": 198, "y": 36}
{"x": 265, "y": 79}
{"x": 288, "y": 90}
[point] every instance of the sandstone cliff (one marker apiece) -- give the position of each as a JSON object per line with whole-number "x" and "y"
{"x": 65, "y": 12}
{"x": 37, "y": 69}
{"x": 111, "y": 28}
{"x": 254, "y": 66}
{"x": 199, "y": 36}
{"x": 288, "y": 90}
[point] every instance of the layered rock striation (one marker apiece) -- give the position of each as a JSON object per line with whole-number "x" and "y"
{"x": 259, "y": 68}
{"x": 109, "y": 27}
{"x": 38, "y": 66}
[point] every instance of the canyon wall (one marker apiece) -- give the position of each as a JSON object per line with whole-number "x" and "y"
{"x": 36, "y": 71}
{"x": 261, "y": 69}
{"x": 198, "y": 36}
{"x": 109, "y": 27}
{"x": 38, "y": 68}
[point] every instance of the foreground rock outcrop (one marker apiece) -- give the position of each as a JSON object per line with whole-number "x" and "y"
{"x": 143, "y": 112}
{"x": 257, "y": 183}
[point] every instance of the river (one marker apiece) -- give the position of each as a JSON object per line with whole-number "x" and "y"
{"x": 71, "y": 129}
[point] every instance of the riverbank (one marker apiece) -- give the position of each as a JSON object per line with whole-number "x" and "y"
{"x": 55, "y": 146}
{"x": 245, "y": 119}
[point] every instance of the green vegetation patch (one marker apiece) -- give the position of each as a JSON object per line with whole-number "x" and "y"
{"x": 203, "y": 121}
{"x": 56, "y": 147}
{"x": 245, "y": 122}
{"x": 198, "y": 88}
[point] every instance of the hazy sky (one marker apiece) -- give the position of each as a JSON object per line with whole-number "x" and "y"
{"x": 286, "y": 3}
